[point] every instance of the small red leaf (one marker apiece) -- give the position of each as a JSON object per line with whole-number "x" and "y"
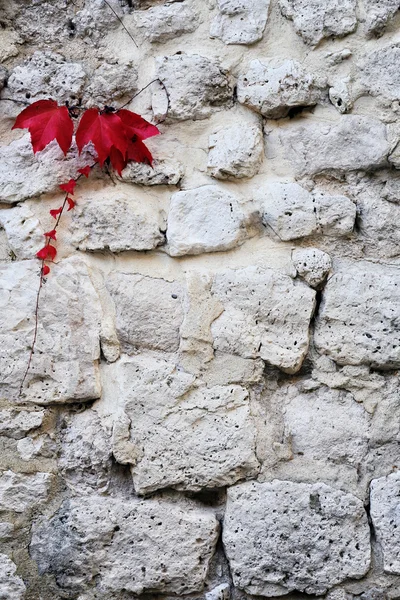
{"x": 104, "y": 130}
{"x": 68, "y": 187}
{"x": 71, "y": 203}
{"x": 51, "y": 234}
{"x": 118, "y": 162}
{"x": 138, "y": 152}
{"x": 135, "y": 125}
{"x": 47, "y": 252}
{"x": 55, "y": 212}
{"x": 46, "y": 121}
{"x": 45, "y": 270}
{"x": 85, "y": 171}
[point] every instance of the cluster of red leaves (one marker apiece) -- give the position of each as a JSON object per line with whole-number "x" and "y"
{"x": 117, "y": 137}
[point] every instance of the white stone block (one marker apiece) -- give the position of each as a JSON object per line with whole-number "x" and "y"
{"x": 240, "y": 21}
{"x": 236, "y": 151}
{"x": 20, "y": 492}
{"x": 11, "y": 586}
{"x": 312, "y": 265}
{"x": 385, "y": 515}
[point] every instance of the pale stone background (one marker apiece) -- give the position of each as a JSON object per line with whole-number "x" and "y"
{"x": 213, "y": 409}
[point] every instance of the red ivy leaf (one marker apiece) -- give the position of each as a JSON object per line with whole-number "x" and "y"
{"x": 51, "y": 234}
{"x": 68, "y": 187}
{"x": 71, "y": 203}
{"x": 45, "y": 270}
{"x": 118, "y": 161}
{"x": 85, "y": 171}
{"x": 47, "y": 252}
{"x": 55, "y": 212}
{"x": 135, "y": 125}
{"x": 46, "y": 121}
{"x": 138, "y": 152}
{"x": 104, "y": 130}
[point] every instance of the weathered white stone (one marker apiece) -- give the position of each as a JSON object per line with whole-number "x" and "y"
{"x": 20, "y": 492}
{"x": 266, "y": 314}
{"x": 377, "y": 224}
{"x": 312, "y": 265}
{"x": 11, "y": 586}
{"x": 96, "y": 19}
{"x": 24, "y": 174}
{"x": 282, "y": 536}
{"x": 335, "y": 214}
{"x": 206, "y": 219}
{"x": 352, "y": 143}
{"x": 64, "y": 364}
{"x": 155, "y": 546}
{"x": 394, "y": 157}
{"x": 336, "y": 57}
{"x": 16, "y": 424}
{"x": 149, "y": 311}
{"x": 41, "y": 446}
{"x": 240, "y": 21}
{"x": 85, "y": 457}
{"x": 272, "y": 89}
{"x": 117, "y": 224}
{"x": 318, "y": 19}
{"x": 236, "y": 151}
{"x": 357, "y": 321}
{"x": 378, "y": 13}
{"x": 378, "y": 73}
{"x": 194, "y": 83}
{"x": 340, "y": 97}
{"x": 221, "y": 592}
{"x": 391, "y": 190}
{"x": 182, "y": 437}
{"x": 385, "y": 515}
{"x": 23, "y": 230}
{"x": 163, "y": 172}
{"x": 6, "y": 530}
{"x": 167, "y": 22}
{"x": 109, "y": 82}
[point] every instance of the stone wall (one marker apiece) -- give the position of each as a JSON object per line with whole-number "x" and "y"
{"x": 213, "y": 407}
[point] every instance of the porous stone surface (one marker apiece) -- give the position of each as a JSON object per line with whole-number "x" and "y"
{"x": 236, "y": 151}
{"x": 159, "y": 546}
{"x": 162, "y": 172}
{"x": 12, "y": 587}
{"x": 240, "y": 22}
{"x": 379, "y": 14}
{"x": 272, "y": 89}
{"x": 16, "y": 424}
{"x": 23, "y": 230}
{"x": 385, "y": 493}
{"x": 312, "y": 265}
{"x": 265, "y": 519}
{"x": 165, "y": 22}
{"x": 20, "y": 492}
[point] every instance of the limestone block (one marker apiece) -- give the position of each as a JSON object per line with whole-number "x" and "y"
{"x": 24, "y": 231}
{"x": 64, "y": 365}
{"x": 125, "y": 545}
{"x": 236, "y": 151}
{"x": 385, "y": 516}
{"x": 378, "y": 13}
{"x": 85, "y": 457}
{"x": 206, "y": 219}
{"x": 163, "y": 172}
{"x": 266, "y": 314}
{"x": 11, "y": 586}
{"x": 194, "y": 83}
{"x": 357, "y": 322}
{"x": 378, "y": 224}
{"x": 318, "y": 19}
{"x": 24, "y": 174}
{"x": 281, "y": 536}
{"x": 350, "y": 144}
{"x": 96, "y": 19}
{"x": 167, "y": 22}
{"x": 221, "y": 592}
{"x": 312, "y": 265}
{"x": 41, "y": 446}
{"x": 47, "y": 75}
{"x": 16, "y": 424}
{"x": 378, "y": 73}
{"x": 149, "y": 312}
{"x": 391, "y": 190}
{"x": 111, "y": 81}
{"x": 20, "y": 492}
{"x": 184, "y": 438}
{"x": 117, "y": 223}
{"x": 240, "y": 21}
{"x": 340, "y": 97}
{"x": 336, "y": 215}
{"x": 272, "y": 89}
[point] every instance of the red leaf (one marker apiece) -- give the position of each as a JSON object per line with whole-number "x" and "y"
{"x": 55, "y": 212}
{"x": 135, "y": 125}
{"x": 51, "y": 234}
{"x": 71, "y": 203}
{"x": 138, "y": 152}
{"x": 85, "y": 171}
{"x": 68, "y": 187}
{"x": 45, "y": 270}
{"x": 46, "y": 121}
{"x": 104, "y": 130}
{"x": 117, "y": 160}
{"x": 47, "y": 252}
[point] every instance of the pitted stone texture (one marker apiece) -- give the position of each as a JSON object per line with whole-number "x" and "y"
{"x": 240, "y": 21}
{"x": 16, "y": 424}
{"x": 206, "y": 219}
{"x": 149, "y": 312}
{"x": 359, "y": 315}
{"x": 236, "y": 151}
{"x": 282, "y": 536}
{"x": 117, "y": 224}
{"x": 20, "y": 492}
{"x": 24, "y": 174}
{"x": 340, "y": 96}
{"x": 195, "y": 85}
{"x": 157, "y": 546}
{"x": 109, "y": 82}
{"x": 272, "y": 89}
{"x": 64, "y": 364}
{"x": 24, "y": 231}
{"x": 11, "y": 586}
{"x": 167, "y": 22}
{"x": 385, "y": 515}
{"x": 266, "y": 315}
{"x": 96, "y": 18}
{"x": 312, "y": 265}
{"x": 378, "y": 74}
{"x": 353, "y": 143}
{"x": 378, "y": 13}
{"x": 378, "y": 224}
{"x": 85, "y": 457}
{"x": 162, "y": 172}
{"x": 292, "y": 212}
{"x": 318, "y": 19}
{"x": 47, "y": 75}
{"x": 184, "y": 438}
